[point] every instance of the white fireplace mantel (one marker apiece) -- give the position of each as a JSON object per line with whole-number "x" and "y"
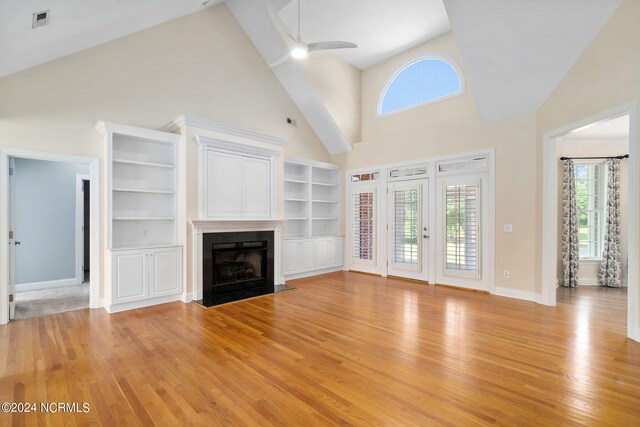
{"x": 201, "y": 227}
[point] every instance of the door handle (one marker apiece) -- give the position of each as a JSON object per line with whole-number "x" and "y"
{"x": 425, "y": 236}
{"x": 16, "y": 243}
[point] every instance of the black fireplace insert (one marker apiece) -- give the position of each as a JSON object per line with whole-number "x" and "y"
{"x": 236, "y": 266}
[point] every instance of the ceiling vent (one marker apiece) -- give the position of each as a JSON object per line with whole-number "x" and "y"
{"x": 40, "y": 19}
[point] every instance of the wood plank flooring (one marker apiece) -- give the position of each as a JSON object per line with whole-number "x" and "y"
{"x": 341, "y": 349}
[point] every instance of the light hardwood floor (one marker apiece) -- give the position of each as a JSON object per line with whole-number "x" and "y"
{"x": 343, "y": 348}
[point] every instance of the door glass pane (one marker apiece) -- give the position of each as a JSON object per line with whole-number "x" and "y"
{"x": 461, "y": 227}
{"x": 406, "y": 226}
{"x": 363, "y": 226}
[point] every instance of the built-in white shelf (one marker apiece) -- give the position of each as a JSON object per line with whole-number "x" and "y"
{"x": 144, "y": 218}
{"x": 143, "y": 190}
{"x": 315, "y": 182}
{"x": 140, "y": 163}
{"x": 142, "y": 179}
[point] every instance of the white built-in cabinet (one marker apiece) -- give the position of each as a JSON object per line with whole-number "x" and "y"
{"x": 143, "y": 275}
{"x": 312, "y": 217}
{"x": 237, "y": 181}
{"x": 145, "y": 259}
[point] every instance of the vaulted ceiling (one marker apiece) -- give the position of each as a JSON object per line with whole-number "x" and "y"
{"x": 75, "y": 25}
{"x": 514, "y": 52}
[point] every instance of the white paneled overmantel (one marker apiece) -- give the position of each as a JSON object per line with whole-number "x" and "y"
{"x": 201, "y": 227}
{"x": 237, "y": 180}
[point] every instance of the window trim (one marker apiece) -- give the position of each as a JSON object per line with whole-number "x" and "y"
{"x": 428, "y": 55}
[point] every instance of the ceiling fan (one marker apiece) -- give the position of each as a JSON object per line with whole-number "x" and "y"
{"x": 298, "y": 48}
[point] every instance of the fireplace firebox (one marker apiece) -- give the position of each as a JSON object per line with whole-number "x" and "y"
{"x": 236, "y": 265}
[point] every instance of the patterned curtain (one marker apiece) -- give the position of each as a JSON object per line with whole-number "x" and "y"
{"x": 610, "y": 267}
{"x": 570, "y": 248}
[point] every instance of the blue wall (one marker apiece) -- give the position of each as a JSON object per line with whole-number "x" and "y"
{"x": 45, "y": 219}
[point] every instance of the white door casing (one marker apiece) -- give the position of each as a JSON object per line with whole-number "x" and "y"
{"x": 12, "y": 239}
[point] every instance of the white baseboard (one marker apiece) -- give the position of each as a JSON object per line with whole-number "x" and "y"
{"x": 116, "y": 308}
{"x": 635, "y": 335}
{"x": 514, "y": 293}
{"x": 187, "y": 297}
{"x": 312, "y": 273}
{"x": 34, "y": 286}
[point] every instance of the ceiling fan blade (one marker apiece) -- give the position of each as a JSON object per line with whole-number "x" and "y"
{"x": 330, "y": 45}
{"x": 280, "y": 61}
{"x": 278, "y": 24}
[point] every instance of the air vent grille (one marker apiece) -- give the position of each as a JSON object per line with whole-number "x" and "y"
{"x": 40, "y": 19}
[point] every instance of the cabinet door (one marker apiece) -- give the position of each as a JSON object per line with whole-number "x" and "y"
{"x": 256, "y": 187}
{"x": 338, "y": 250}
{"x": 129, "y": 276}
{"x": 324, "y": 252}
{"x": 307, "y": 255}
{"x": 291, "y": 256}
{"x": 165, "y": 272}
{"x": 223, "y": 188}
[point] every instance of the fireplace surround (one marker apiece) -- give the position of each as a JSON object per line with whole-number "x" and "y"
{"x": 247, "y": 259}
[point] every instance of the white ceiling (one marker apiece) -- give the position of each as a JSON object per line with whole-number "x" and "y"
{"x": 617, "y": 128}
{"x": 380, "y": 28}
{"x": 76, "y": 25}
{"x": 515, "y": 52}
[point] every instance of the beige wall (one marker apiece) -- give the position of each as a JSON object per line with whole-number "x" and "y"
{"x": 604, "y": 77}
{"x": 339, "y": 85}
{"x": 202, "y": 64}
{"x": 453, "y": 126}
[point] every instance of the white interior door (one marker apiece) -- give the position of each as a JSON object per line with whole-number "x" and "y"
{"x": 407, "y": 229}
{"x": 12, "y": 239}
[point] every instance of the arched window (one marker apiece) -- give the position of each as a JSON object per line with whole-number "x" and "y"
{"x": 419, "y": 82}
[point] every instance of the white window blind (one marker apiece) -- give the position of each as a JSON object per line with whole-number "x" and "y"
{"x": 363, "y": 225}
{"x": 462, "y": 227}
{"x": 406, "y": 226}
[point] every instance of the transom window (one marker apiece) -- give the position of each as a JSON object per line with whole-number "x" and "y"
{"x": 589, "y": 179}
{"x": 420, "y": 82}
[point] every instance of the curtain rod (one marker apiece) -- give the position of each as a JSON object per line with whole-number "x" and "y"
{"x": 626, "y": 156}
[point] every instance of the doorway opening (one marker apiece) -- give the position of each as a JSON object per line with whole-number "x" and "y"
{"x": 586, "y": 149}
{"x": 50, "y": 219}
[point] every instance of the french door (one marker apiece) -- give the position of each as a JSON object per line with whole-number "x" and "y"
{"x": 407, "y": 229}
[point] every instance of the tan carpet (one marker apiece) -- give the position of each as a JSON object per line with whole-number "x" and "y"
{"x": 49, "y": 301}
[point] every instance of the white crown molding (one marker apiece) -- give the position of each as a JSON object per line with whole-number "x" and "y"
{"x": 158, "y": 135}
{"x": 234, "y": 146}
{"x": 308, "y": 162}
{"x": 185, "y": 120}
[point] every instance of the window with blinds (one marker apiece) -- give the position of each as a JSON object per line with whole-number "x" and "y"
{"x": 462, "y": 227}
{"x": 363, "y": 225}
{"x": 590, "y": 184}
{"x": 406, "y": 226}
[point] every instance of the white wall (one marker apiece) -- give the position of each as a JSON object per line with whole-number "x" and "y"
{"x": 604, "y": 77}
{"x": 202, "y": 64}
{"x": 45, "y": 210}
{"x": 449, "y": 127}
